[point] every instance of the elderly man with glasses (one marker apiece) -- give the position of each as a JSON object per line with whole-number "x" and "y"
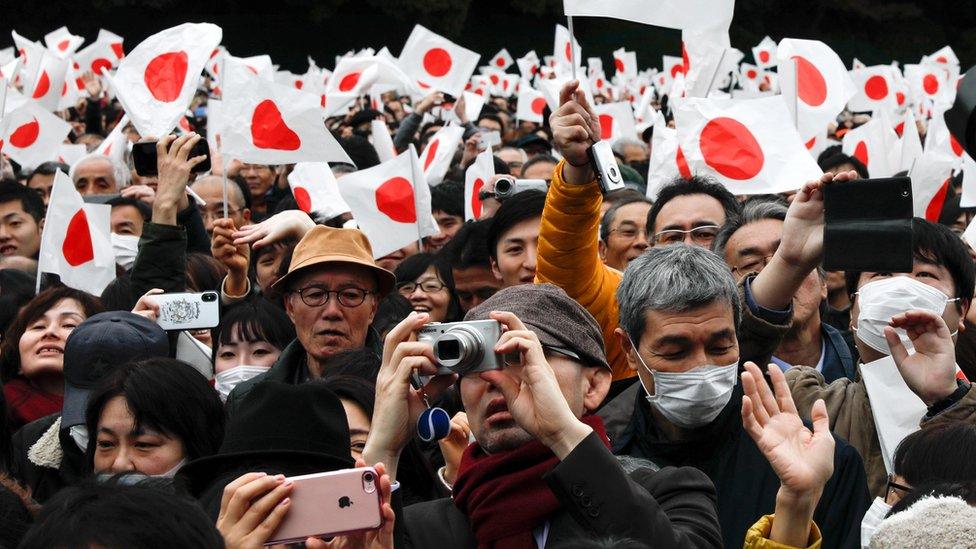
{"x": 331, "y": 293}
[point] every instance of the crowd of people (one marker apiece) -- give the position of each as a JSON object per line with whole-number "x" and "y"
{"x": 671, "y": 372}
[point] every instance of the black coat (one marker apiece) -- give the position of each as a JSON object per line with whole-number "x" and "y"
{"x": 744, "y": 481}
{"x": 44, "y": 481}
{"x": 602, "y": 496}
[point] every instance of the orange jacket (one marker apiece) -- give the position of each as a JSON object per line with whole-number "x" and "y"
{"x": 569, "y": 257}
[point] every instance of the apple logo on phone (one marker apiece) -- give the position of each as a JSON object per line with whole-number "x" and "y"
{"x": 344, "y": 502}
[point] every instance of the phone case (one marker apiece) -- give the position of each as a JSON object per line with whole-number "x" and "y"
{"x": 868, "y": 225}
{"x": 331, "y": 504}
{"x": 188, "y": 311}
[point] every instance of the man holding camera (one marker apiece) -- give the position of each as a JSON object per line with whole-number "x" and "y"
{"x": 539, "y": 471}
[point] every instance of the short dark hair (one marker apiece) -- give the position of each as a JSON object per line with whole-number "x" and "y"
{"x": 469, "y": 247}
{"x": 203, "y": 273}
{"x": 608, "y": 218}
{"x": 115, "y": 514}
{"x": 255, "y": 319}
{"x": 16, "y": 289}
{"x": 47, "y": 168}
{"x": 490, "y": 116}
{"x": 755, "y": 209}
{"x": 523, "y": 206}
{"x": 414, "y": 266}
{"x": 35, "y": 309}
{"x": 392, "y": 309}
{"x": 833, "y": 156}
{"x": 30, "y": 200}
{"x": 144, "y": 209}
{"x": 448, "y": 197}
{"x": 693, "y": 185}
{"x": 921, "y": 457}
{"x": 167, "y": 395}
{"x": 938, "y": 245}
{"x": 117, "y": 296}
{"x": 538, "y": 159}
{"x": 965, "y": 491}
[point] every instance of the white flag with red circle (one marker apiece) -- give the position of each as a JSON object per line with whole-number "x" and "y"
{"x": 391, "y": 203}
{"x": 674, "y": 14}
{"x": 62, "y": 43}
{"x": 875, "y": 89}
{"x": 268, "y": 123}
{"x": 114, "y": 146}
{"x": 931, "y": 178}
{"x": 750, "y": 76}
{"x": 69, "y": 153}
{"x": 73, "y": 88}
{"x": 502, "y": 60}
{"x": 478, "y": 174}
{"x": 932, "y": 81}
{"x": 673, "y": 66}
{"x": 531, "y": 104}
{"x": 315, "y": 189}
{"x": 703, "y": 56}
{"x": 355, "y": 76}
{"x": 911, "y": 143}
{"x": 436, "y": 63}
{"x": 562, "y": 55}
{"x": 30, "y": 52}
{"x": 625, "y": 63}
{"x": 158, "y": 78}
{"x": 76, "y": 242}
{"x": 875, "y": 144}
{"x": 816, "y": 85}
{"x": 944, "y": 56}
{"x": 528, "y": 64}
{"x": 751, "y": 145}
{"x": 48, "y": 84}
{"x": 101, "y": 55}
{"x": 439, "y": 153}
{"x": 764, "y": 53}
{"x": 667, "y": 162}
{"x": 30, "y": 134}
{"x": 616, "y": 121}
{"x": 938, "y": 138}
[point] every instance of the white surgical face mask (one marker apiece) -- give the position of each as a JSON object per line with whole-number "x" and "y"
{"x": 693, "y": 398}
{"x": 172, "y": 472}
{"x": 225, "y": 381}
{"x": 125, "y": 246}
{"x": 79, "y": 434}
{"x": 872, "y": 519}
{"x": 880, "y": 300}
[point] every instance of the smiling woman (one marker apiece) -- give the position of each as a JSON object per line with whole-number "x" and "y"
{"x": 32, "y": 352}
{"x": 429, "y": 286}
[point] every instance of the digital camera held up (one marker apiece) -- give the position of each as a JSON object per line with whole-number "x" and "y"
{"x": 464, "y": 347}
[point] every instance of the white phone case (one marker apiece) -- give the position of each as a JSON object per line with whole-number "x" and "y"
{"x": 188, "y": 311}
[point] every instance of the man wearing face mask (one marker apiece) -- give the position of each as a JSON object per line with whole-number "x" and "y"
{"x": 128, "y": 217}
{"x": 679, "y": 315}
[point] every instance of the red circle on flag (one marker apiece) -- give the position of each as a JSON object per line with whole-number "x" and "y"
{"x": 395, "y": 199}
{"x": 930, "y": 84}
{"x": 430, "y": 153}
{"x": 25, "y": 135}
{"x": 437, "y": 62}
{"x": 900, "y": 128}
{"x": 729, "y": 148}
{"x": 475, "y": 201}
{"x": 599, "y": 82}
{"x": 618, "y": 64}
{"x": 77, "y": 246}
{"x": 942, "y": 59}
{"x": 269, "y": 130}
{"x": 500, "y": 62}
{"x": 751, "y": 74}
{"x": 861, "y": 152}
{"x": 934, "y": 210}
{"x": 63, "y": 45}
{"x": 118, "y": 51}
{"x": 811, "y": 86}
{"x": 679, "y": 159}
{"x": 303, "y": 199}
{"x": 764, "y": 56}
{"x": 876, "y": 87}
{"x": 538, "y": 104}
{"x": 606, "y": 126}
{"x": 956, "y": 147}
{"x": 569, "y": 53}
{"x": 494, "y": 79}
{"x": 900, "y": 98}
{"x": 349, "y": 81}
{"x": 675, "y": 69}
{"x": 323, "y": 101}
{"x": 299, "y": 84}
{"x": 100, "y": 65}
{"x": 43, "y": 85}
{"x": 165, "y": 75}
{"x": 811, "y": 143}
{"x": 685, "y": 59}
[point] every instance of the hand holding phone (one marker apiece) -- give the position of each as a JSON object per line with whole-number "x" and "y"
{"x": 187, "y": 311}
{"x": 868, "y": 225}
{"x": 145, "y": 159}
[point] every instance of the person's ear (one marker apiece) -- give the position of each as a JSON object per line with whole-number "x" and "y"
{"x": 495, "y": 271}
{"x": 290, "y": 309}
{"x": 246, "y": 214}
{"x": 602, "y": 249}
{"x": 628, "y": 348}
{"x": 963, "y": 311}
{"x": 597, "y": 386}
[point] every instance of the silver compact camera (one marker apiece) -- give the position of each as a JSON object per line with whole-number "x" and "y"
{"x": 605, "y": 165}
{"x": 507, "y": 186}
{"x": 464, "y": 347}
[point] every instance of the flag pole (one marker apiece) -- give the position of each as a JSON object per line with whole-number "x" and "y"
{"x": 714, "y": 75}
{"x": 572, "y": 44}
{"x": 796, "y": 92}
{"x": 223, "y": 162}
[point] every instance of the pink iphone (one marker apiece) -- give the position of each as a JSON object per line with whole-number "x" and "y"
{"x": 331, "y": 504}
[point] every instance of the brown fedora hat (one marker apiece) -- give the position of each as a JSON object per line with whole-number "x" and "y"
{"x": 323, "y": 245}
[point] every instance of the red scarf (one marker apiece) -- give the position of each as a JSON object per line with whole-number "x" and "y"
{"x": 504, "y": 496}
{"x": 26, "y": 402}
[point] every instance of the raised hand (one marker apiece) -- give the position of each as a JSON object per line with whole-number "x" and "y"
{"x": 251, "y": 508}
{"x": 289, "y": 224}
{"x": 233, "y": 256}
{"x": 380, "y": 538}
{"x": 931, "y": 372}
{"x": 147, "y": 306}
{"x": 453, "y": 445}
{"x": 575, "y": 127}
{"x": 174, "y": 166}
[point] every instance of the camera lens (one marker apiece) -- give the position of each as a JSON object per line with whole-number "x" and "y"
{"x": 449, "y": 349}
{"x": 368, "y": 477}
{"x": 503, "y": 186}
{"x": 208, "y": 297}
{"x": 459, "y": 349}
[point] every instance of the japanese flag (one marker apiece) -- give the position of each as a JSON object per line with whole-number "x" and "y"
{"x": 945, "y": 56}
{"x": 816, "y": 85}
{"x": 675, "y": 14}
{"x": 764, "y": 54}
{"x": 157, "y": 80}
{"x": 69, "y": 153}
{"x": 616, "y": 121}
{"x": 875, "y": 144}
{"x": 475, "y": 178}
{"x": 667, "y": 162}
{"x": 48, "y": 83}
{"x": 931, "y": 177}
{"x": 62, "y": 43}
{"x": 673, "y": 66}
{"x": 73, "y": 88}
{"x": 625, "y": 63}
{"x": 382, "y": 141}
{"x": 473, "y": 104}
{"x": 749, "y": 145}
{"x": 31, "y": 135}
{"x": 268, "y": 123}
{"x": 30, "y": 53}
{"x": 911, "y": 144}
{"x": 355, "y": 76}
{"x": 390, "y": 203}
{"x": 703, "y": 56}
{"x": 938, "y": 138}
{"x": 502, "y": 60}
{"x": 931, "y": 81}
{"x": 316, "y": 190}
{"x": 11, "y": 69}
{"x": 750, "y": 76}
{"x": 561, "y": 53}
{"x": 436, "y": 63}
{"x": 103, "y": 54}
{"x": 439, "y": 153}
{"x": 968, "y": 198}
{"x": 75, "y": 243}
{"x": 528, "y": 65}
{"x": 114, "y": 146}
{"x": 531, "y": 104}
{"x": 874, "y": 89}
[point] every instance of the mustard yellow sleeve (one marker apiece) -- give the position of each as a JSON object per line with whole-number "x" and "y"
{"x": 569, "y": 258}
{"x": 758, "y": 536}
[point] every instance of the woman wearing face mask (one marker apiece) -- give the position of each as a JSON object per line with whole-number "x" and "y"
{"x": 151, "y": 417}
{"x": 32, "y": 353}
{"x": 429, "y": 286}
{"x": 248, "y": 341}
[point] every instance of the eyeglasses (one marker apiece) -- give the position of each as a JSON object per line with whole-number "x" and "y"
{"x": 752, "y": 264}
{"x": 628, "y": 233}
{"x": 427, "y": 286}
{"x": 894, "y": 488}
{"x": 703, "y": 235}
{"x": 216, "y": 213}
{"x": 317, "y": 296}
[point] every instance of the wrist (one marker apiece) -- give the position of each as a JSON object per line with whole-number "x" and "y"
{"x": 939, "y": 400}
{"x": 793, "y": 517}
{"x": 797, "y": 502}
{"x": 164, "y": 213}
{"x": 577, "y": 174}
{"x": 566, "y": 440}
{"x": 389, "y": 458}
{"x": 235, "y": 285}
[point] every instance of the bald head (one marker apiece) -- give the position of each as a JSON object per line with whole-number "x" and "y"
{"x": 211, "y": 189}
{"x": 97, "y": 174}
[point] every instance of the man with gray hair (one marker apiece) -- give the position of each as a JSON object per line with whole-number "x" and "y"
{"x": 747, "y": 243}
{"x": 631, "y": 150}
{"x": 98, "y": 174}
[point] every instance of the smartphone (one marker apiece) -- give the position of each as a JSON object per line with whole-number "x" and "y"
{"x": 144, "y": 157}
{"x": 188, "y": 311}
{"x": 868, "y": 225}
{"x": 331, "y": 504}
